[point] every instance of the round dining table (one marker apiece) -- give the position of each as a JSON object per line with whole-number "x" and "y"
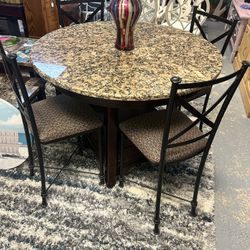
{"x": 82, "y": 61}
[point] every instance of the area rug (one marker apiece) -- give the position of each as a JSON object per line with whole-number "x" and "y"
{"x": 82, "y": 214}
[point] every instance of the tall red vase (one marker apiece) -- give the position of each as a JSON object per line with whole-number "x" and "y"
{"x": 126, "y": 14}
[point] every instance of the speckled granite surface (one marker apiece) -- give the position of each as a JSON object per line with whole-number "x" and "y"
{"x": 82, "y": 59}
{"x": 22, "y": 50}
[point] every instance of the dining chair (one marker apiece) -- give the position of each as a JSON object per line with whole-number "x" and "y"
{"x": 82, "y": 11}
{"x": 35, "y": 86}
{"x": 51, "y": 120}
{"x": 170, "y": 136}
{"x": 230, "y": 26}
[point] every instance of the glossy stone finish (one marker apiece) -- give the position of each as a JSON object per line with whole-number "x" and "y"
{"x": 22, "y": 49}
{"x": 82, "y": 59}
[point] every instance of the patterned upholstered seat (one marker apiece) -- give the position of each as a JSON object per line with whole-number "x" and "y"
{"x": 146, "y": 132}
{"x": 61, "y": 116}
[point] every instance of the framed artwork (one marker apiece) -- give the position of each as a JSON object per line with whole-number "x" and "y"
{"x": 13, "y": 145}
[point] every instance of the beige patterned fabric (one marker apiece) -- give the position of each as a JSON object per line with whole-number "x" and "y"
{"x": 62, "y": 116}
{"x": 146, "y": 132}
{"x": 33, "y": 86}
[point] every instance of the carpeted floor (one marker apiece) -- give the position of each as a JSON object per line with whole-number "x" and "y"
{"x": 81, "y": 214}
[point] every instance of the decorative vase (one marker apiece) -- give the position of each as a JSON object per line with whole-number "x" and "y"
{"x": 126, "y": 14}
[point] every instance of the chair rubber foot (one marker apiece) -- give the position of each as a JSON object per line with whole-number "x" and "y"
{"x": 32, "y": 173}
{"x": 193, "y": 212}
{"x": 156, "y": 229}
{"x": 121, "y": 184}
{"x": 193, "y": 208}
{"x": 44, "y": 202}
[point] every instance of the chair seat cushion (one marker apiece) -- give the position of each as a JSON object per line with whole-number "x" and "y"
{"x": 146, "y": 133}
{"x": 61, "y": 116}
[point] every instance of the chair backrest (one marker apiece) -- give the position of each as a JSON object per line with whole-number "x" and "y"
{"x": 88, "y": 10}
{"x": 149, "y": 11}
{"x": 5, "y": 66}
{"x": 218, "y": 108}
{"x": 227, "y": 33}
{"x": 18, "y": 86}
{"x": 178, "y": 13}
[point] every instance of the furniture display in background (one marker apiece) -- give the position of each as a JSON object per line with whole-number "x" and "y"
{"x": 178, "y": 13}
{"x": 237, "y": 13}
{"x": 10, "y": 12}
{"x": 80, "y": 11}
{"x": 41, "y": 16}
{"x": 38, "y": 17}
{"x": 244, "y": 54}
{"x": 149, "y": 11}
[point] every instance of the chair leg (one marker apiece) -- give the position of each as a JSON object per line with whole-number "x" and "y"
{"x": 121, "y": 176}
{"x": 100, "y": 148}
{"x": 80, "y": 145}
{"x": 194, "y": 202}
{"x": 42, "y": 173}
{"x": 31, "y": 160}
{"x": 158, "y": 199}
{"x": 29, "y": 144}
{"x": 57, "y": 91}
{"x": 42, "y": 95}
{"x": 205, "y": 107}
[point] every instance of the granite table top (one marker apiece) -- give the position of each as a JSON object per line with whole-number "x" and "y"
{"x": 82, "y": 59}
{"x": 22, "y": 50}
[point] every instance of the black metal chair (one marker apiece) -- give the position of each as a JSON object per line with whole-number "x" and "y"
{"x": 170, "y": 136}
{"x": 35, "y": 86}
{"x": 230, "y": 26}
{"x": 227, "y": 33}
{"x": 52, "y": 119}
{"x": 86, "y": 10}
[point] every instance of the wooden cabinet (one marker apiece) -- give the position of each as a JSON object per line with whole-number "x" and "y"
{"x": 242, "y": 15}
{"x": 41, "y": 16}
{"x": 244, "y": 54}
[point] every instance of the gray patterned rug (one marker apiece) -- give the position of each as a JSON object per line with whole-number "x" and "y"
{"x": 81, "y": 214}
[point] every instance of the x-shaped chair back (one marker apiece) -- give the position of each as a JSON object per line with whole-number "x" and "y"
{"x": 90, "y": 7}
{"x": 223, "y": 101}
{"x": 227, "y": 34}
